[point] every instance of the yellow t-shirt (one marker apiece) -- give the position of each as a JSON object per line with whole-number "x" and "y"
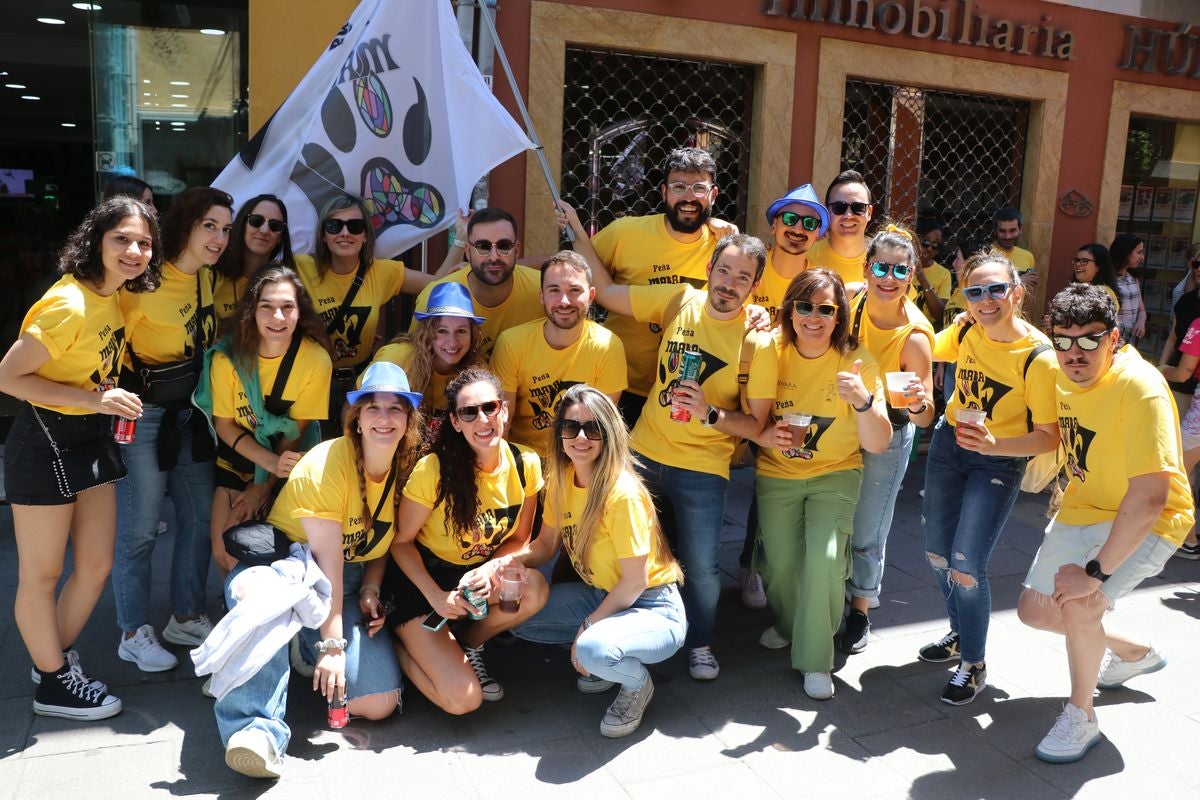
{"x": 692, "y": 445}
{"x": 325, "y": 485}
{"x": 991, "y": 376}
{"x": 524, "y": 303}
{"x": 939, "y": 279}
{"x": 160, "y": 326}
{"x": 1019, "y": 257}
{"x": 1123, "y": 426}
{"x": 83, "y": 332}
{"x": 355, "y": 340}
{"x": 851, "y": 269}
{"x": 401, "y": 354}
{"x": 954, "y": 306}
{"x": 770, "y": 290}
{"x": 226, "y": 294}
{"x": 1116, "y": 300}
{"x": 500, "y": 500}
{"x": 809, "y": 386}
{"x": 887, "y": 345}
{"x": 624, "y": 532}
{"x": 538, "y": 374}
{"x": 640, "y": 252}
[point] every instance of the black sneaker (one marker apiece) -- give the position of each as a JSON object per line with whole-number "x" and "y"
{"x": 968, "y": 681}
{"x": 1189, "y": 551}
{"x": 944, "y": 649}
{"x": 855, "y": 634}
{"x": 70, "y": 695}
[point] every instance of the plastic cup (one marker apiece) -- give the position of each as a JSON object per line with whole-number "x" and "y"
{"x": 512, "y": 586}
{"x": 970, "y": 416}
{"x": 897, "y": 383}
{"x": 798, "y": 426}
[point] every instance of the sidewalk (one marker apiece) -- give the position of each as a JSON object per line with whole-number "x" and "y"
{"x": 752, "y": 733}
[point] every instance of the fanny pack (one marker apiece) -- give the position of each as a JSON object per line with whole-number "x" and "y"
{"x": 256, "y": 544}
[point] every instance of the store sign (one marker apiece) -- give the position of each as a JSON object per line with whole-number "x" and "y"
{"x": 1174, "y": 52}
{"x": 941, "y": 20}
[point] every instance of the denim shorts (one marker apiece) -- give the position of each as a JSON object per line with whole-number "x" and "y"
{"x": 1079, "y": 544}
{"x": 29, "y": 478}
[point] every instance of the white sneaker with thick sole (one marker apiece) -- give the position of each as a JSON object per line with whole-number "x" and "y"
{"x": 251, "y": 752}
{"x": 702, "y": 664}
{"x": 818, "y": 685}
{"x": 144, "y": 650}
{"x": 771, "y": 639}
{"x": 1071, "y": 737}
{"x": 754, "y": 595}
{"x": 188, "y": 633}
{"x": 1115, "y": 670}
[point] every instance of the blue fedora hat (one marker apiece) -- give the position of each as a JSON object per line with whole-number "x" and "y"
{"x": 384, "y": 376}
{"x": 805, "y": 195}
{"x": 449, "y": 300}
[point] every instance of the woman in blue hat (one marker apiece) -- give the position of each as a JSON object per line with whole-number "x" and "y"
{"x": 444, "y": 340}
{"x": 340, "y": 503}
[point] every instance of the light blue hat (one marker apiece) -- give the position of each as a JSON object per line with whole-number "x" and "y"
{"x": 449, "y": 299}
{"x": 801, "y": 194}
{"x": 384, "y": 376}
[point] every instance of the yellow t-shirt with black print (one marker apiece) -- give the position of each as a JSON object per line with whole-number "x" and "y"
{"x": 83, "y": 332}
{"x": 500, "y": 499}
{"x": 307, "y": 389}
{"x": 160, "y": 326}
{"x": 771, "y": 289}
{"x": 325, "y": 485}
{"x": 354, "y": 339}
{"x": 624, "y": 532}
{"x": 1123, "y": 426}
{"x": 956, "y": 305}
{"x": 809, "y": 386}
{"x": 640, "y": 252}
{"x": 851, "y": 269}
{"x": 692, "y": 445}
{"x": 991, "y": 377}
{"x": 887, "y": 344}
{"x": 939, "y": 280}
{"x": 524, "y": 303}
{"x": 227, "y": 293}
{"x": 538, "y": 374}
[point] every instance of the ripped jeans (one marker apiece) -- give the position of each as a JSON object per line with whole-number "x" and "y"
{"x": 968, "y": 497}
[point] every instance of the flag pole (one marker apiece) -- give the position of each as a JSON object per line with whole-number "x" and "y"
{"x": 538, "y": 150}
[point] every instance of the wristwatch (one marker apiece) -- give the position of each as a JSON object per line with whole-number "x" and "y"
{"x": 331, "y": 644}
{"x": 867, "y": 405}
{"x": 714, "y": 414}
{"x": 1092, "y": 568}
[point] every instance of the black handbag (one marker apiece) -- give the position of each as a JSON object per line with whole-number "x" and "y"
{"x": 87, "y": 465}
{"x": 256, "y": 544}
{"x": 170, "y": 384}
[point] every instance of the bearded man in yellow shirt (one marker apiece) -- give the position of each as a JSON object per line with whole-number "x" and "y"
{"x": 1126, "y": 509}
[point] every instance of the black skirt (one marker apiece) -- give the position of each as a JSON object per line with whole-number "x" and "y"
{"x": 407, "y": 600}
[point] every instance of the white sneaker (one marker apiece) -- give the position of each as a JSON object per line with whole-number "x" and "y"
{"x": 144, "y": 650}
{"x": 206, "y": 688}
{"x": 1115, "y": 670}
{"x": 702, "y": 664}
{"x": 251, "y": 752}
{"x": 754, "y": 596}
{"x": 189, "y": 633}
{"x": 625, "y": 714}
{"x": 1071, "y": 737}
{"x": 72, "y": 659}
{"x": 771, "y": 639}
{"x": 818, "y": 685}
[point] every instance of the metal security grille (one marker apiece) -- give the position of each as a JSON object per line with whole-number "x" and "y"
{"x": 961, "y": 155}
{"x": 622, "y": 114}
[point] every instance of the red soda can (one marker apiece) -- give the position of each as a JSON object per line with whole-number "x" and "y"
{"x": 689, "y": 370}
{"x": 339, "y": 714}
{"x": 123, "y": 430}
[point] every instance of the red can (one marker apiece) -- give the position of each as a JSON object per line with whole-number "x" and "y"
{"x": 689, "y": 370}
{"x": 339, "y": 714}
{"x": 123, "y": 430}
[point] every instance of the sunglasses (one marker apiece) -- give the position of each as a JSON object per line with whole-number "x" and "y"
{"x": 996, "y": 291}
{"x": 1087, "y": 342}
{"x": 334, "y": 226}
{"x": 502, "y": 247}
{"x": 257, "y": 220}
{"x": 840, "y": 207}
{"x": 805, "y": 309}
{"x": 1196, "y": 263}
{"x": 1079, "y": 262}
{"x": 469, "y": 413}
{"x": 699, "y": 189}
{"x": 571, "y": 428}
{"x": 880, "y": 269}
{"x": 790, "y": 218}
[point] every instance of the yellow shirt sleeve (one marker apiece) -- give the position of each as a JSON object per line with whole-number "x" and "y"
{"x": 227, "y": 391}
{"x": 55, "y": 322}
{"x": 313, "y": 371}
{"x": 422, "y": 485}
{"x": 1040, "y": 391}
{"x": 506, "y": 359}
{"x": 764, "y": 368}
{"x": 650, "y": 302}
{"x": 945, "y": 343}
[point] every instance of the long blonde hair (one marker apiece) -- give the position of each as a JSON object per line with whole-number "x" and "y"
{"x": 403, "y": 460}
{"x": 615, "y": 460}
{"x": 420, "y": 368}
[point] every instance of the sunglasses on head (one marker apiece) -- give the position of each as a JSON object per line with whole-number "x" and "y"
{"x": 257, "y": 220}
{"x": 805, "y": 309}
{"x": 840, "y": 207}
{"x": 334, "y": 226}
{"x": 503, "y": 247}
{"x": 996, "y": 291}
{"x": 469, "y": 413}
{"x": 571, "y": 428}
{"x": 790, "y": 218}
{"x": 880, "y": 269}
{"x": 1087, "y": 342}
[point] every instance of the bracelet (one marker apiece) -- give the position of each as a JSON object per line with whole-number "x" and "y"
{"x": 459, "y": 243}
{"x": 587, "y": 622}
{"x": 921, "y": 410}
{"x": 331, "y": 644}
{"x": 867, "y": 405}
{"x": 368, "y": 587}
{"x": 233, "y": 446}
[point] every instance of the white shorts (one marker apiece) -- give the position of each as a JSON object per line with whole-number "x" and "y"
{"x": 1079, "y": 544}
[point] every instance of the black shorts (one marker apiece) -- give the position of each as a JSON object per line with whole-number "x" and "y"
{"x": 406, "y": 598}
{"x": 29, "y": 478}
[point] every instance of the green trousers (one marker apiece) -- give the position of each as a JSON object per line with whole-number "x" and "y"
{"x": 806, "y": 526}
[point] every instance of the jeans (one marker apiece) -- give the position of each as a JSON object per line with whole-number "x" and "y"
{"x": 260, "y": 702}
{"x": 968, "y": 497}
{"x": 617, "y": 647}
{"x": 139, "y": 509}
{"x": 881, "y": 478}
{"x": 691, "y": 508}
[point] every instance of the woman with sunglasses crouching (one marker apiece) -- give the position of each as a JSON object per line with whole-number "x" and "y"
{"x": 898, "y": 335}
{"x": 1003, "y": 403}
{"x": 467, "y": 508}
{"x": 627, "y": 612}
{"x": 259, "y": 237}
{"x": 829, "y": 403}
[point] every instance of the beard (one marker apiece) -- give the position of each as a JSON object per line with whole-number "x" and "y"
{"x": 681, "y": 226}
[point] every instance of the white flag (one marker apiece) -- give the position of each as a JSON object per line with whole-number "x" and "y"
{"x": 395, "y": 112}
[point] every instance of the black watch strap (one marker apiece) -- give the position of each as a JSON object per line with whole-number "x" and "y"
{"x": 1092, "y": 568}
{"x": 867, "y": 405}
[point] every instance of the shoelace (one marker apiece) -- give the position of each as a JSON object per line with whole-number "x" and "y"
{"x": 72, "y": 659}
{"x": 755, "y": 582}
{"x": 702, "y": 656}
{"x": 624, "y": 702}
{"x": 1067, "y": 726}
{"x": 947, "y": 640}
{"x": 77, "y": 684}
{"x": 961, "y": 677}
{"x": 475, "y": 657}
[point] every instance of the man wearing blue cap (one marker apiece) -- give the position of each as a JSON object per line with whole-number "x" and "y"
{"x": 798, "y": 220}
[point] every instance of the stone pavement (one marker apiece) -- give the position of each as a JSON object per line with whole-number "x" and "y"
{"x": 752, "y": 732}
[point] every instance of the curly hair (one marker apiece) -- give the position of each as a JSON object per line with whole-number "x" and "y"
{"x": 457, "y": 486}
{"x": 1082, "y": 304}
{"x": 323, "y": 256}
{"x": 80, "y": 254}
{"x": 244, "y": 329}
{"x": 403, "y": 460}
{"x": 232, "y": 263}
{"x": 689, "y": 159}
{"x": 802, "y": 287}
{"x": 185, "y": 213}
{"x": 420, "y": 369}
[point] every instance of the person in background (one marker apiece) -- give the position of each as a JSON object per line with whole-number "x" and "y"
{"x": 259, "y": 236}
{"x": 1127, "y": 252}
{"x": 1184, "y": 311}
{"x": 64, "y": 367}
{"x": 1007, "y": 223}
{"x": 943, "y": 372}
{"x": 130, "y": 186}
{"x": 1188, "y": 368}
{"x": 932, "y": 283}
{"x": 1092, "y": 264}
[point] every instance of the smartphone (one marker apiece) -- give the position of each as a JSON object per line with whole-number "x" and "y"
{"x": 385, "y": 608}
{"x": 433, "y": 622}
